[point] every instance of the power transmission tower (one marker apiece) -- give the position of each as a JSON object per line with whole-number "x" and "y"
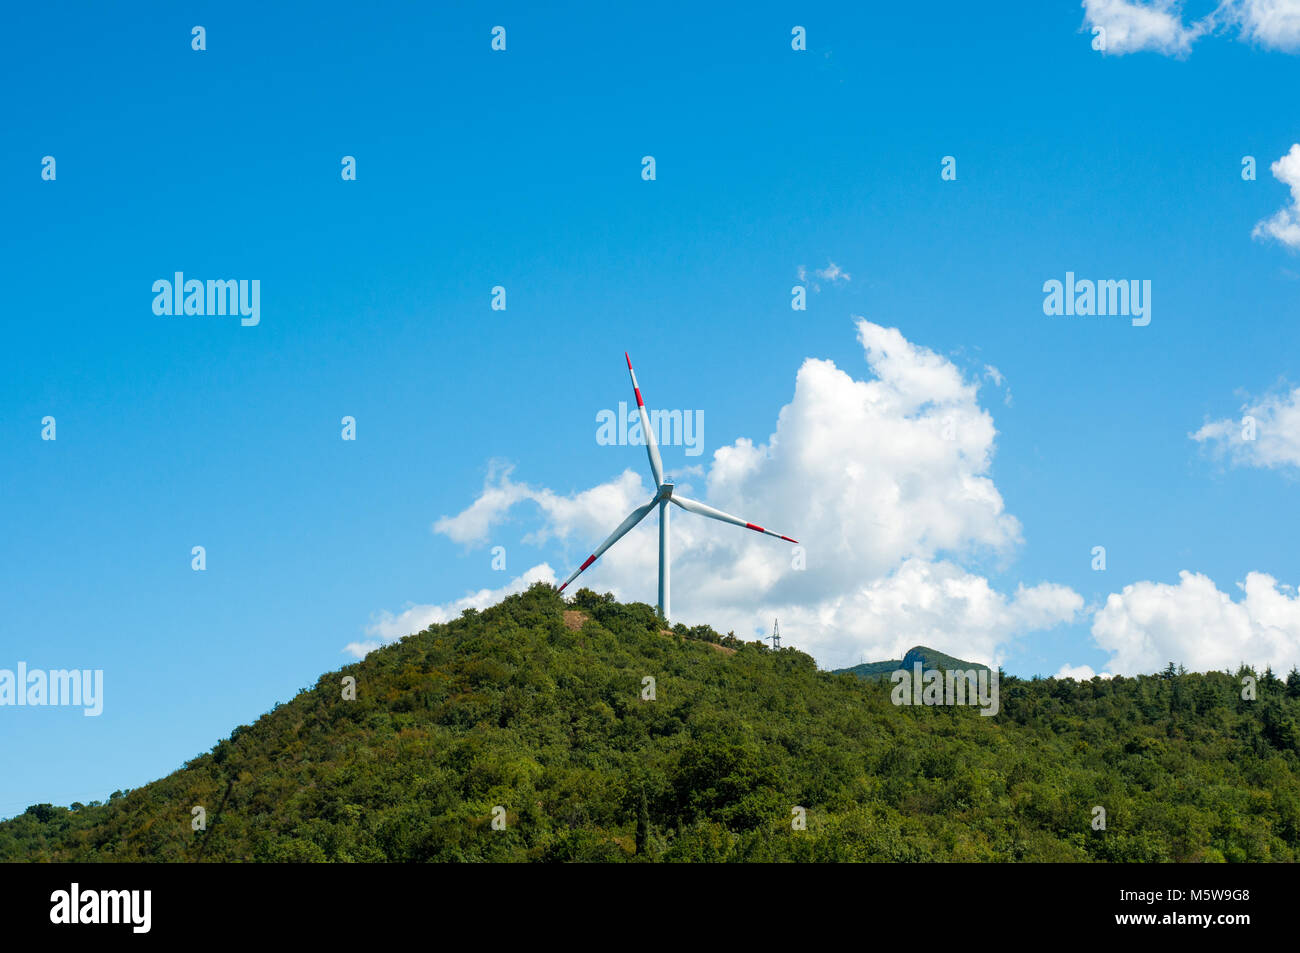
{"x": 776, "y": 635}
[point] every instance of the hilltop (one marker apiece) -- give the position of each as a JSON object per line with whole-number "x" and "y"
{"x": 537, "y": 711}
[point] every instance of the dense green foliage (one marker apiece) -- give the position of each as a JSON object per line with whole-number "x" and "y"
{"x": 519, "y": 707}
{"x": 929, "y": 659}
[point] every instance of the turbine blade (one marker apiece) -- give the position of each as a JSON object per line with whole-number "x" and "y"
{"x": 651, "y": 444}
{"x": 693, "y": 506}
{"x": 636, "y": 516}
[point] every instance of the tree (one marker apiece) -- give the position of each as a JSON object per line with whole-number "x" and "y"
{"x": 44, "y": 813}
{"x": 642, "y": 822}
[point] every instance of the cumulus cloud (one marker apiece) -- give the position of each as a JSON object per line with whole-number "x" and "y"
{"x": 931, "y": 603}
{"x": 473, "y": 524}
{"x": 389, "y": 627}
{"x": 884, "y": 480}
{"x": 1132, "y": 26}
{"x": 582, "y": 513}
{"x": 1150, "y": 624}
{"x": 1266, "y": 435}
{"x": 1284, "y": 226}
{"x": 1271, "y": 23}
{"x": 1081, "y": 673}
{"x": 1159, "y": 26}
{"x": 362, "y": 649}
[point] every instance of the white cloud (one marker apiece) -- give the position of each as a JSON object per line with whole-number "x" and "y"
{"x": 499, "y": 494}
{"x": 885, "y": 482}
{"x": 1276, "y": 433}
{"x": 582, "y": 513}
{"x": 999, "y": 380}
{"x": 1081, "y": 673}
{"x": 833, "y": 273}
{"x": 390, "y": 627}
{"x": 937, "y": 604}
{"x": 1149, "y": 624}
{"x": 1134, "y": 26}
{"x": 1271, "y": 23}
{"x": 1158, "y": 25}
{"x": 1284, "y": 226}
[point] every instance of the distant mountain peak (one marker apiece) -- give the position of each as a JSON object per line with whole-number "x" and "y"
{"x": 928, "y": 657}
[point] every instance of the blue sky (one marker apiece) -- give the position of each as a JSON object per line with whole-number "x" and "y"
{"x": 522, "y": 169}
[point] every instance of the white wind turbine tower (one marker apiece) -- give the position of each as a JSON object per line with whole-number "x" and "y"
{"x": 662, "y": 497}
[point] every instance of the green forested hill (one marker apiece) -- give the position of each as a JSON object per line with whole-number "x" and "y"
{"x": 540, "y": 712}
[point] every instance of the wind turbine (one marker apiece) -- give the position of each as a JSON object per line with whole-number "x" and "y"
{"x": 662, "y": 498}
